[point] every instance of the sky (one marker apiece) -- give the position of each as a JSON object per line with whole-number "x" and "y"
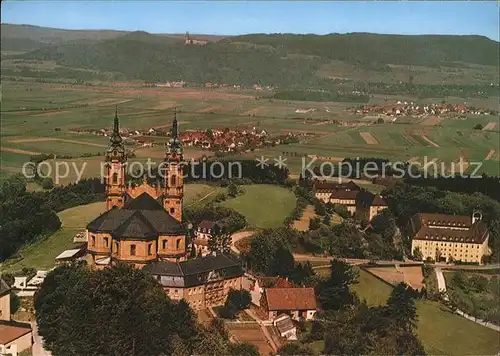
{"x": 240, "y": 17}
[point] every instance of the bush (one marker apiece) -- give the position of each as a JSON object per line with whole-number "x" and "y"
{"x": 478, "y": 127}
{"x": 239, "y": 298}
{"x": 15, "y": 303}
{"x": 47, "y": 183}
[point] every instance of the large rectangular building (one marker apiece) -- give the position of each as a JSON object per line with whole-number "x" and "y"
{"x": 203, "y": 282}
{"x": 448, "y": 238}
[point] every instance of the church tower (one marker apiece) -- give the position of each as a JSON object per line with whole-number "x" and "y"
{"x": 174, "y": 185}
{"x": 116, "y": 160}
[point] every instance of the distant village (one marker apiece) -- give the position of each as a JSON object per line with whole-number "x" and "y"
{"x": 405, "y": 108}
{"x": 217, "y": 139}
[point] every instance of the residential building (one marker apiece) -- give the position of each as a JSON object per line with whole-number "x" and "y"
{"x": 299, "y": 303}
{"x": 15, "y": 337}
{"x": 324, "y": 189}
{"x": 450, "y": 238}
{"x": 203, "y": 282}
{"x": 368, "y": 205}
{"x": 257, "y": 285}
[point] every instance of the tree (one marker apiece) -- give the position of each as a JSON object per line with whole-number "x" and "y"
{"x": 241, "y": 299}
{"x": 219, "y": 241}
{"x": 85, "y": 312}
{"x": 232, "y": 190}
{"x": 314, "y": 223}
{"x": 243, "y": 349}
{"x": 401, "y": 307}
{"x": 295, "y": 349}
{"x": 282, "y": 263}
{"x": 327, "y": 220}
{"x": 478, "y": 127}
{"x": 47, "y": 183}
{"x": 334, "y": 293}
{"x": 417, "y": 254}
{"x": 15, "y": 303}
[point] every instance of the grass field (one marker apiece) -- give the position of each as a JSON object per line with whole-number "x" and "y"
{"x": 263, "y": 205}
{"x": 441, "y": 331}
{"x": 42, "y": 253}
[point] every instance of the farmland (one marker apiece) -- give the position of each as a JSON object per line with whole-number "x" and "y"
{"x": 50, "y": 118}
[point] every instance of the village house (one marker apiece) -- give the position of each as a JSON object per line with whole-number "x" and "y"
{"x": 299, "y": 303}
{"x": 257, "y": 284}
{"x": 449, "y": 238}
{"x": 15, "y": 337}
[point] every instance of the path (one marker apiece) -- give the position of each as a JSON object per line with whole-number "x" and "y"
{"x": 238, "y": 236}
{"x": 202, "y": 198}
{"x": 442, "y": 288}
{"x": 38, "y": 349}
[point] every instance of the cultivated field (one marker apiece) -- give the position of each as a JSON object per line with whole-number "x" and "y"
{"x": 252, "y": 334}
{"x": 394, "y": 275}
{"x": 49, "y": 118}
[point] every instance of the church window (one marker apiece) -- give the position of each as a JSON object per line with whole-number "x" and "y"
{"x": 106, "y": 242}
{"x": 115, "y": 178}
{"x": 132, "y": 250}
{"x": 164, "y": 244}
{"x": 172, "y": 210}
{"x": 117, "y": 247}
{"x": 93, "y": 240}
{"x": 150, "y": 249}
{"x": 173, "y": 180}
{"x": 178, "y": 243}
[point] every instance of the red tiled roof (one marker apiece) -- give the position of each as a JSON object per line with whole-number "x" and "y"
{"x": 290, "y": 298}
{"x": 10, "y": 331}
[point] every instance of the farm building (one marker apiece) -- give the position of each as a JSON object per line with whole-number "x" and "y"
{"x": 299, "y": 303}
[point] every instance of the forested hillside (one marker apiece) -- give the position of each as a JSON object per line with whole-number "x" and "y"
{"x": 284, "y": 60}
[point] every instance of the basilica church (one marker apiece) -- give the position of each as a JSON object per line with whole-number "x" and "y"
{"x": 142, "y": 226}
{"x": 142, "y": 223}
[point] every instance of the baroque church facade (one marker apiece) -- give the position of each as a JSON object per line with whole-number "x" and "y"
{"x": 141, "y": 223}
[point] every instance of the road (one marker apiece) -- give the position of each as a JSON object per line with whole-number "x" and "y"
{"x": 38, "y": 349}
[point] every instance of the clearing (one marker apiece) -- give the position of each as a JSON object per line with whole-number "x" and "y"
{"x": 209, "y": 109}
{"x": 252, "y": 334}
{"x": 263, "y": 205}
{"x": 303, "y": 223}
{"x": 369, "y": 138}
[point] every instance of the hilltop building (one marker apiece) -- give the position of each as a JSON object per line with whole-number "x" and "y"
{"x": 188, "y": 40}
{"x": 450, "y": 238}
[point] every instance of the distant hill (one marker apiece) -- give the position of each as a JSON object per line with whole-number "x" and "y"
{"x": 286, "y": 60}
{"x": 28, "y": 37}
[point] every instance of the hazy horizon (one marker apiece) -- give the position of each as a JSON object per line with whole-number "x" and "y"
{"x": 239, "y": 18}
